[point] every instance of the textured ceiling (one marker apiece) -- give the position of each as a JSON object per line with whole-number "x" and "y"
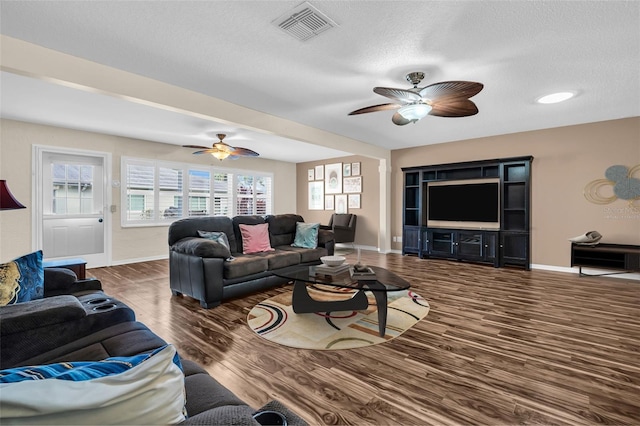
{"x": 231, "y": 50}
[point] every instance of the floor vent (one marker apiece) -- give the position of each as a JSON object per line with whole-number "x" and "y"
{"x": 304, "y": 22}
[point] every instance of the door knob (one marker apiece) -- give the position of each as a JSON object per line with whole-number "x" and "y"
{"x": 100, "y": 220}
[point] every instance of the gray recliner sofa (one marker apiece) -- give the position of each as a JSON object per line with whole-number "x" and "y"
{"x": 76, "y": 321}
{"x": 208, "y": 275}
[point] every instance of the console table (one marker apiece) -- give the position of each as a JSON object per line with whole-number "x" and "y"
{"x": 623, "y": 257}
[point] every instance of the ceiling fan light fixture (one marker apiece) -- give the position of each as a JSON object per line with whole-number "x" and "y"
{"x": 221, "y": 155}
{"x": 415, "y": 111}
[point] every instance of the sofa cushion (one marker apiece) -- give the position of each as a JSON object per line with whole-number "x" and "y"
{"x": 306, "y": 255}
{"x": 255, "y": 238}
{"x": 204, "y": 392}
{"x": 244, "y": 265}
{"x": 282, "y": 228}
{"x": 202, "y": 247}
{"x": 22, "y": 279}
{"x": 281, "y": 259}
{"x": 143, "y": 389}
{"x": 306, "y": 235}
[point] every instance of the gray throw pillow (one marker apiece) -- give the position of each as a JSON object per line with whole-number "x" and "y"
{"x": 219, "y": 237}
{"x": 202, "y": 247}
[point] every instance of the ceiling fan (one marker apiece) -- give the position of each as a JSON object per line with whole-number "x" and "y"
{"x": 221, "y": 150}
{"x": 445, "y": 99}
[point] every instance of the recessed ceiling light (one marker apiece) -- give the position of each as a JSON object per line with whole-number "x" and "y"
{"x": 554, "y": 98}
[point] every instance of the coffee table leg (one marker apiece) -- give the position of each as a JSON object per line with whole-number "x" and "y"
{"x": 381, "y": 305}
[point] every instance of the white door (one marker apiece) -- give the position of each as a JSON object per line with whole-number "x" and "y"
{"x": 72, "y": 207}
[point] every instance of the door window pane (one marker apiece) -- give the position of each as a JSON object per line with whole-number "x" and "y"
{"x": 72, "y": 189}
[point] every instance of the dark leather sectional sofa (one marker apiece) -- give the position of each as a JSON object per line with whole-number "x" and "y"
{"x": 76, "y": 321}
{"x": 211, "y": 278}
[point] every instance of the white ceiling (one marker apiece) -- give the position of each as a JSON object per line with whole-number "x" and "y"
{"x": 231, "y": 50}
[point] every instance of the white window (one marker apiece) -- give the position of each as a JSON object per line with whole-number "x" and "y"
{"x": 155, "y": 193}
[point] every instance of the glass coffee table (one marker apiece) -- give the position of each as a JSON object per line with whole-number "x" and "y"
{"x": 305, "y": 277}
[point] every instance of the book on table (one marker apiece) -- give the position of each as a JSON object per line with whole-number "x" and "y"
{"x": 331, "y": 270}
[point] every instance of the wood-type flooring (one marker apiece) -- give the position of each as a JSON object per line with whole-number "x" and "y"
{"x": 499, "y": 347}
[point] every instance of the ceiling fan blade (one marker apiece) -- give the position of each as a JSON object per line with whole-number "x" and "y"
{"x": 456, "y": 108}
{"x": 449, "y": 90}
{"x": 206, "y": 151}
{"x": 244, "y": 152}
{"x": 374, "y": 108}
{"x": 400, "y": 120}
{"x": 401, "y": 95}
{"x": 195, "y": 146}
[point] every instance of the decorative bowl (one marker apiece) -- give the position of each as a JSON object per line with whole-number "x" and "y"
{"x": 333, "y": 260}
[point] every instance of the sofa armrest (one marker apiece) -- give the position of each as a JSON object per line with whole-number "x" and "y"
{"x": 59, "y": 281}
{"x": 39, "y": 313}
{"x": 325, "y": 236}
{"x": 201, "y": 247}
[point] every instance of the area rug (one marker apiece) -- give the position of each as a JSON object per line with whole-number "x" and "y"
{"x": 275, "y": 320}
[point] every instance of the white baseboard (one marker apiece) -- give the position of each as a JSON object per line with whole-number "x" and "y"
{"x": 139, "y": 259}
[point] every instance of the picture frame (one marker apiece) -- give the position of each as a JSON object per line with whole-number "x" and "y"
{"x": 333, "y": 178}
{"x": 341, "y": 203}
{"x": 328, "y": 202}
{"x": 346, "y": 169}
{"x": 319, "y": 172}
{"x": 310, "y": 175}
{"x": 354, "y": 201}
{"x": 352, "y": 185}
{"x": 316, "y": 196}
{"x": 355, "y": 169}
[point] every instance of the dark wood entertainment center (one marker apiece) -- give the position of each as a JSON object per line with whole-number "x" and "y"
{"x": 508, "y": 245}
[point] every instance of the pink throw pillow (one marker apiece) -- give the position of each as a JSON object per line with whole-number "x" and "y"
{"x": 255, "y": 238}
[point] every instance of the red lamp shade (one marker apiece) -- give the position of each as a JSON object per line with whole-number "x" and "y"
{"x": 7, "y": 201}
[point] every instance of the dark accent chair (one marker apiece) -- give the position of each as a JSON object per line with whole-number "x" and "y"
{"x": 343, "y": 226}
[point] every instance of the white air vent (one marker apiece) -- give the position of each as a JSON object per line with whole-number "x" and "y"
{"x": 304, "y": 22}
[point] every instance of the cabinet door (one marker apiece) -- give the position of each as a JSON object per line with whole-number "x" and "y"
{"x": 514, "y": 249}
{"x": 490, "y": 247}
{"x": 441, "y": 243}
{"x": 469, "y": 245}
{"x": 411, "y": 240}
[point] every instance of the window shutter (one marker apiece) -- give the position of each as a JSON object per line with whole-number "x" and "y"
{"x": 223, "y": 194}
{"x": 140, "y": 179}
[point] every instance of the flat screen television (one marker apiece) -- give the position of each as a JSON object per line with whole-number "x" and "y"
{"x": 472, "y": 204}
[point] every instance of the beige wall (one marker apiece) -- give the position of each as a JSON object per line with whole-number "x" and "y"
{"x": 566, "y": 159}
{"x": 368, "y": 215}
{"x": 17, "y": 139}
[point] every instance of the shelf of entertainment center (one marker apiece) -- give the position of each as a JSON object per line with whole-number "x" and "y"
{"x": 505, "y": 243}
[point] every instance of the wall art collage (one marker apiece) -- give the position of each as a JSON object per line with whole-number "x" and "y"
{"x": 336, "y": 186}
